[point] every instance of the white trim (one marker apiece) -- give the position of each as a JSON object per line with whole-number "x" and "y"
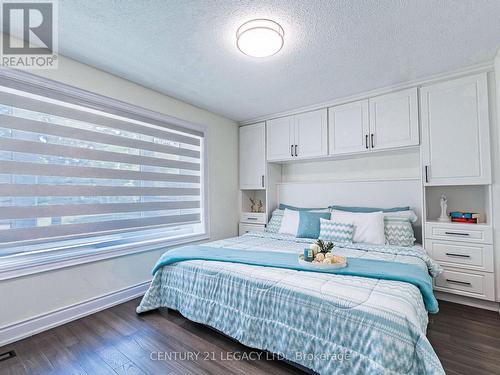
{"x": 473, "y": 69}
{"x": 29, "y": 264}
{"x": 468, "y": 301}
{"x": 349, "y": 180}
{"x": 40, "y": 323}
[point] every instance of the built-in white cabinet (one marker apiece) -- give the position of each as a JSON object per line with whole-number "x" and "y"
{"x": 379, "y": 123}
{"x": 301, "y": 136}
{"x": 280, "y": 138}
{"x": 311, "y": 139}
{"x": 348, "y": 128}
{"x": 253, "y": 156}
{"x": 465, "y": 252}
{"x": 455, "y": 132}
{"x": 394, "y": 120}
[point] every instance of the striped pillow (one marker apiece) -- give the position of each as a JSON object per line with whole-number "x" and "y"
{"x": 336, "y": 231}
{"x": 398, "y": 231}
{"x": 274, "y": 224}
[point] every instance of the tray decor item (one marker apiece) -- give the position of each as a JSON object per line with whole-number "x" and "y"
{"x": 320, "y": 255}
{"x": 329, "y": 262}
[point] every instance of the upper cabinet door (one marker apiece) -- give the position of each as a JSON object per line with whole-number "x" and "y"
{"x": 455, "y": 132}
{"x": 311, "y": 137}
{"x": 253, "y": 156}
{"x": 348, "y": 128}
{"x": 280, "y": 139}
{"x": 394, "y": 120}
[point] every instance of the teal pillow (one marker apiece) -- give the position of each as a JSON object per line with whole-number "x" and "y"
{"x": 293, "y": 208}
{"x": 309, "y": 223}
{"x": 369, "y": 209}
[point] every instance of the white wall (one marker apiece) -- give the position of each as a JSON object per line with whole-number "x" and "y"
{"x": 30, "y": 296}
{"x": 380, "y": 165}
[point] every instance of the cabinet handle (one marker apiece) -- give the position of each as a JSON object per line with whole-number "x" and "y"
{"x": 457, "y": 234}
{"x": 426, "y": 174}
{"x": 366, "y": 142}
{"x": 296, "y": 152}
{"x": 291, "y": 150}
{"x": 458, "y": 255}
{"x": 373, "y": 143}
{"x": 262, "y": 180}
{"x": 458, "y": 282}
{"x": 252, "y": 218}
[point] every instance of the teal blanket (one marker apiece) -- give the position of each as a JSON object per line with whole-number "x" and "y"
{"x": 375, "y": 269}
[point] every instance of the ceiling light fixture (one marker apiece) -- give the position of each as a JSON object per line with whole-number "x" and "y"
{"x": 260, "y": 38}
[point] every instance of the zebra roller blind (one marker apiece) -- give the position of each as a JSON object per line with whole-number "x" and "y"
{"x": 69, "y": 171}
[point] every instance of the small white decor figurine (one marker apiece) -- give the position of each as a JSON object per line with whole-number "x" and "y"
{"x": 444, "y": 207}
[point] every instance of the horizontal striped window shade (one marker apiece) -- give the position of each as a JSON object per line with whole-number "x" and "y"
{"x": 71, "y": 171}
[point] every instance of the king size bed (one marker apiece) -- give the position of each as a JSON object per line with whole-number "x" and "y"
{"x": 360, "y": 323}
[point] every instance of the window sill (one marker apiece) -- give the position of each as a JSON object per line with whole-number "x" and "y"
{"x": 29, "y": 264}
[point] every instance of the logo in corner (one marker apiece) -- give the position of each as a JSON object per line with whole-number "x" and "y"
{"x": 29, "y": 34}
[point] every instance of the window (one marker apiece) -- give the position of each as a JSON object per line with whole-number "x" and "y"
{"x": 79, "y": 174}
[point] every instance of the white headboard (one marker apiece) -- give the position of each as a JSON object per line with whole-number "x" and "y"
{"x": 373, "y": 193}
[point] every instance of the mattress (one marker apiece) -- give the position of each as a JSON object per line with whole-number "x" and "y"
{"x": 332, "y": 324}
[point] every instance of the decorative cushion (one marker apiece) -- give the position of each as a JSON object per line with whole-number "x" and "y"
{"x": 309, "y": 223}
{"x": 336, "y": 231}
{"x": 399, "y": 231}
{"x": 286, "y": 206}
{"x": 369, "y": 209}
{"x": 290, "y": 222}
{"x": 410, "y": 214}
{"x": 274, "y": 224}
{"x": 368, "y": 227}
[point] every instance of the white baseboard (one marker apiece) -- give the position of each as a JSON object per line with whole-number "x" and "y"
{"x": 479, "y": 303}
{"x": 32, "y": 326}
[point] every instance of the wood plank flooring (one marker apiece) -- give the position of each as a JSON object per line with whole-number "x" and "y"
{"x": 117, "y": 341}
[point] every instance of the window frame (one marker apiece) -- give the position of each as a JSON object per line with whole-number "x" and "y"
{"x": 36, "y": 262}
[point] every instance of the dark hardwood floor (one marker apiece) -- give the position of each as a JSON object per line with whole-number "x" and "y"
{"x": 117, "y": 341}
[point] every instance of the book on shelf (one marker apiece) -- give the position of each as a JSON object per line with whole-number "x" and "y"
{"x": 464, "y": 215}
{"x": 464, "y": 220}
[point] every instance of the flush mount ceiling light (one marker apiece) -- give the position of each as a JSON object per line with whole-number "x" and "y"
{"x": 260, "y": 38}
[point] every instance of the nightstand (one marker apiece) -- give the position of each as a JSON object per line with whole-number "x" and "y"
{"x": 465, "y": 251}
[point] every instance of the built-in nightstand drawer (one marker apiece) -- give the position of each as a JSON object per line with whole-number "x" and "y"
{"x": 479, "y": 233}
{"x": 461, "y": 255}
{"x": 470, "y": 283}
{"x": 253, "y": 217}
{"x": 245, "y": 228}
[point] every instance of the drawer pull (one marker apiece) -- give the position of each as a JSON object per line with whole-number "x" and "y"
{"x": 252, "y": 218}
{"x": 458, "y": 282}
{"x": 458, "y": 255}
{"x": 456, "y": 234}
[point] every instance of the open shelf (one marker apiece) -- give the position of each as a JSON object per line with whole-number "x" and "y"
{"x": 254, "y": 194}
{"x": 467, "y": 198}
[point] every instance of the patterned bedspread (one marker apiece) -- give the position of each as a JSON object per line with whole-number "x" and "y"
{"x": 332, "y": 324}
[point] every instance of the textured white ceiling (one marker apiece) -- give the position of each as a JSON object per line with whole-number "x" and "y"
{"x": 332, "y": 49}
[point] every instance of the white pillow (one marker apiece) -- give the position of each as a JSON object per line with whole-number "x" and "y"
{"x": 290, "y": 222}
{"x": 410, "y": 214}
{"x": 368, "y": 227}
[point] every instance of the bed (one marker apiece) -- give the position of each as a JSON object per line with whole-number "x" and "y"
{"x": 329, "y": 323}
